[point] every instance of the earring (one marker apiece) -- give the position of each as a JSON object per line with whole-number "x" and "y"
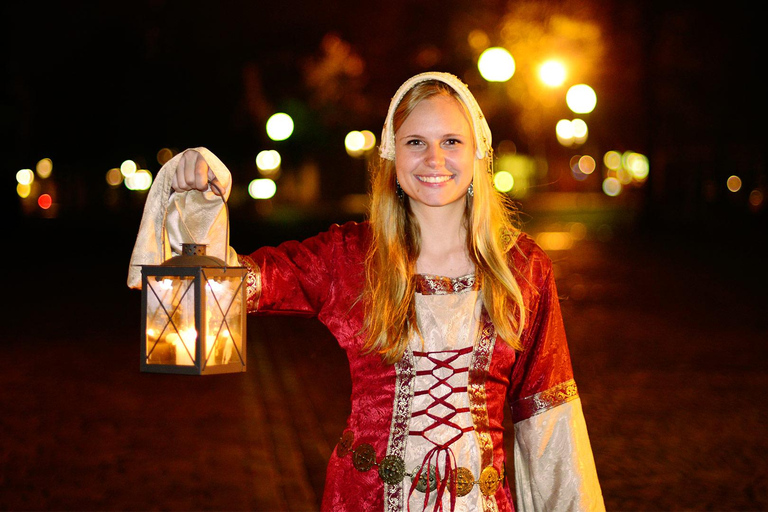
{"x": 399, "y": 190}
{"x": 471, "y": 190}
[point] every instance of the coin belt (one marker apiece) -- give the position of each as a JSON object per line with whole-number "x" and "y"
{"x": 391, "y": 469}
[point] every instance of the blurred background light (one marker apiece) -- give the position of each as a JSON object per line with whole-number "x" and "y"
{"x": 370, "y": 140}
{"x": 552, "y": 73}
{"x": 611, "y": 186}
{"x": 128, "y": 167}
{"x": 354, "y": 141}
{"x": 279, "y": 126}
{"x": 581, "y": 99}
{"x": 503, "y": 181}
{"x": 268, "y": 161}
{"x": 734, "y": 183}
{"x": 262, "y": 188}
{"x": 25, "y": 177}
{"x": 44, "y": 167}
{"x": 587, "y": 164}
{"x": 612, "y": 160}
{"x": 44, "y": 201}
{"x": 23, "y": 190}
{"x": 496, "y": 64}
{"x": 114, "y": 177}
{"x": 139, "y": 180}
{"x": 163, "y": 155}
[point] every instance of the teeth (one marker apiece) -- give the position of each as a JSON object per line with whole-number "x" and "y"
{"x": 433, "y": 179}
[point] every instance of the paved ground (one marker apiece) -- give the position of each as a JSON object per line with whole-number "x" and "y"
{"x": 669, "y": 341}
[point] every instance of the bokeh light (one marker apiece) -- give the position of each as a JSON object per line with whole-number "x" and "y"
{"x": 114, "y": 177}
{"x": 611, "y": 186}
{"x": 128, "y": 167}
{"x": 44, "y": 201}
{"x": 25, "y": 177}
{"x": 552, "y": 73}
{"x": 503, "y": 181}
{"x": 23, "y": 190}
{"x": 268, "y": 161}
{"x": 354, "y": 141}
{"x": 496, "y": 64}
{"x": 263, "y": 188}
{"x": 139, "y": 180}
{"x": 581, "y": 99}
{"x": 279, "y": 126}
{"x": 164, "y": 155}
{"x": 734, "y": 183}
{"x": 44, "y": 168}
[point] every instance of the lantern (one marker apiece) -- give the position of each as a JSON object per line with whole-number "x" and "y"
{"x": 194, "y": 320}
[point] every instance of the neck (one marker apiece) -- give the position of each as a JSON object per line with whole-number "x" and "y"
{"x": 443, "y": 241}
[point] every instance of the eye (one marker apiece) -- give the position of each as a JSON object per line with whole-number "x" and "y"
{"x": 413, "y": 142}
{"x": 453, "y": 142}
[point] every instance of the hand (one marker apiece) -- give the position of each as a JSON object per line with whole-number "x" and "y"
{"x": 193, "y": 173}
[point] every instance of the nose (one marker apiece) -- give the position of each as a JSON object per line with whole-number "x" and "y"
{"x": 435, "y": 156}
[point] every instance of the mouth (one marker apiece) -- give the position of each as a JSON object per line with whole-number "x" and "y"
{"x": 435, "y": 179}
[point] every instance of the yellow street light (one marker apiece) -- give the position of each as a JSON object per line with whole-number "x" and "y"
{"x": 279, "y": 126}
{"x": 552, "y": 73}
{"x": 496, "y": 64}
{"x": 581, "y": 99}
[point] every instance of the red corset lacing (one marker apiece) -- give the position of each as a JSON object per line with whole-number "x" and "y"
{"x": 445, "y": 472}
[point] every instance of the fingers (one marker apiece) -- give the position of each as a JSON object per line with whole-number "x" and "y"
{"x": 192, "y": 173}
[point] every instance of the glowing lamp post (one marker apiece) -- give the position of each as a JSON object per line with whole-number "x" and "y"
{"x": 194, "y": 320}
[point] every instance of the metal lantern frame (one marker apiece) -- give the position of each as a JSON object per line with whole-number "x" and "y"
{"x": 197, "y": 271}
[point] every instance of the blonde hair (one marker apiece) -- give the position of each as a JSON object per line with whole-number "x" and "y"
{"x": 388, "y": 295}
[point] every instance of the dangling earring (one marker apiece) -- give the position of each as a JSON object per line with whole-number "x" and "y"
{"x": 471, "y": 190}
{"x": 399, "y": 190}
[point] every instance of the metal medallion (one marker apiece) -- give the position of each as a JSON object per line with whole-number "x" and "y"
{"x": 421, "y": 485}
{"x": 364, "y": 457}
{"x": 392, "y": 469}
{"x": 465, "y": 480}
{"x": 489, "y": 481}
{"x": 345, "y": 443}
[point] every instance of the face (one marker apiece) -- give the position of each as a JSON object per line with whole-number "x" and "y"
{"x": 434, "y": 154}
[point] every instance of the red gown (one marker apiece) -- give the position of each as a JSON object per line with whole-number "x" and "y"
{"x": 323, "y": 276}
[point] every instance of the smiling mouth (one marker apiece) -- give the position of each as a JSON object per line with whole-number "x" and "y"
{"x": 434, "y": 179}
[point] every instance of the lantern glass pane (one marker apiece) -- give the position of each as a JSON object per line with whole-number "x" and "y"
{"x": 224, "y": 308}
{"x": 171, "y": 333}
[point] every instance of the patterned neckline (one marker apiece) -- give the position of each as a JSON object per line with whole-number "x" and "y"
{"x": 428, "y": 284}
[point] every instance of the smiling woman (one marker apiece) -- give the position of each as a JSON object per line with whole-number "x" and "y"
{"x": 446, "y": 311}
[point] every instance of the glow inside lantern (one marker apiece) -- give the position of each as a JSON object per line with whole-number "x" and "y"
{"x": 193, "y": 315}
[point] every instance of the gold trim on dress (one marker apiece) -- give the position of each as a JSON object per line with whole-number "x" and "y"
{"x": 428, "y": 284}
{"x": 544, "y": 400}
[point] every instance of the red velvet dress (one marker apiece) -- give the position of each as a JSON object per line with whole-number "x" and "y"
{"x": 324, "y": 275}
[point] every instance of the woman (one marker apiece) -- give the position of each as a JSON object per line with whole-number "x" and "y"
{"x": 445, "y": 311}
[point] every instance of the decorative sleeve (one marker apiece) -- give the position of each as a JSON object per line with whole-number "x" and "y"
{"x": 554, "y": 465}
{"x": 301, "y": 277}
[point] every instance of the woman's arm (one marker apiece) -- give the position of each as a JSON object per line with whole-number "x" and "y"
{"x": 554, "y": 465}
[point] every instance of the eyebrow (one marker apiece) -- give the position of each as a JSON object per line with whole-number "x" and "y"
{"x": 442, "y": 136}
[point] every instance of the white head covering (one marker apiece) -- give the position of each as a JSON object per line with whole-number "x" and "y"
{"x": 479, "y": 124}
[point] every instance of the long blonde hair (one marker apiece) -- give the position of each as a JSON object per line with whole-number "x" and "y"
{"x": 390, "y": 318}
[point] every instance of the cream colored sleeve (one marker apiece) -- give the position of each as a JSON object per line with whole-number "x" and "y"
{"x": 554, "y": 465}
{"x": 172, "y": 218}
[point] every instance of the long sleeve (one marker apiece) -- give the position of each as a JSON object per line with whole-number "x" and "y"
{"x": 305, "y": 277}
{"x": 554, "y": 465}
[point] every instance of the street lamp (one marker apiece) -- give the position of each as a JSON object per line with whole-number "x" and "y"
{"x": 496, "y": 64}
{"x": 581, "y": 99}
{"x": 193, "y": 315}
